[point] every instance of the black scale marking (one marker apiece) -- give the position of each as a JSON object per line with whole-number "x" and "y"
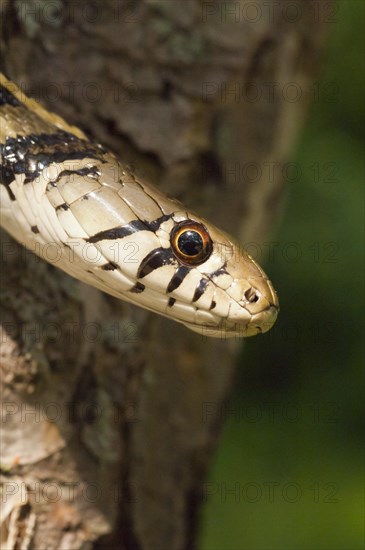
{"x": 155, "y": 259}
{"x": 7, "y": 98}
{"x": 124, "y": 230}
{"x": 110, "y": 266}
{"x": 178, "y": 278}
{"x": 137, "y": 288}
{"x": 30, "y": 154}
{"x": 200, "y": 289}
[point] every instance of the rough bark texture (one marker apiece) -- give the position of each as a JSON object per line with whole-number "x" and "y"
{"x": 105, "y": 439}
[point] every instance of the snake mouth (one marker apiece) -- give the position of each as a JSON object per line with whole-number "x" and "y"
{"x": 262, "y": 322}
{"x": 255, "y": 313}
{"x": 258, "y": 324}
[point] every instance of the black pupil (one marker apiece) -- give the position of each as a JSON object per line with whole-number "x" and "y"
{"x": 190, "y": 243}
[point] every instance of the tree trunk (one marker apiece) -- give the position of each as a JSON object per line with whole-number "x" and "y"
{"x": 111, "y": 414}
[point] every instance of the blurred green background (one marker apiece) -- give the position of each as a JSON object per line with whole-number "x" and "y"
{"x": 289, "y": 470}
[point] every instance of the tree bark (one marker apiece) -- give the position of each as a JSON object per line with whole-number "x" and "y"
{"x": 111, "y": 414}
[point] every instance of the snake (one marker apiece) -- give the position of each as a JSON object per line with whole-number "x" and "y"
{"x": 71, "y": 201}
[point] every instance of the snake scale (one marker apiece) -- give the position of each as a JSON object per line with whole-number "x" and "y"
{"x": 73, "y": 203}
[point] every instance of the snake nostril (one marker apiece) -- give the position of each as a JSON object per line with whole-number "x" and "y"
{"x": 251, "y": 295}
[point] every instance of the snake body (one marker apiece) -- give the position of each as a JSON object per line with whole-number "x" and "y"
{"x": 73, "y": 203}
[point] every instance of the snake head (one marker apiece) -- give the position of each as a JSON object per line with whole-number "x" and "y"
{"x": 212, "y": 285}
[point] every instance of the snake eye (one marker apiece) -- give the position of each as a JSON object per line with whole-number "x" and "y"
{"x": 191, "y": 242}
